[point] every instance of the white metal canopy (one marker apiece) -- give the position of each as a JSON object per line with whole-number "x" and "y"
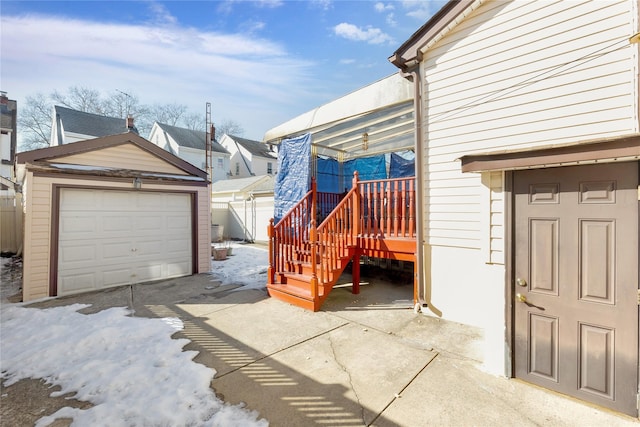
{"x": 375, "y": 119}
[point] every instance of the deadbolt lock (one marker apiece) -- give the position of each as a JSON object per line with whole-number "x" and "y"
{"x": 521, "y": 282}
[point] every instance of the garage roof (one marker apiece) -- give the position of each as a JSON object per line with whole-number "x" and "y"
{"x": 383, "y": 111}
{"x": 49, "y": 154}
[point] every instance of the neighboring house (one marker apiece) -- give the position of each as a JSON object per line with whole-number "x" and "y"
{"x": 189, "y": 145}
{"x": 249, "y": 158}
{"x": 527, "y": 163}
{"x": 110, "y": 211}
{"x": 70, "y": 125}
{"x": 8, "y": 141}
{"x": 243, "y": 207}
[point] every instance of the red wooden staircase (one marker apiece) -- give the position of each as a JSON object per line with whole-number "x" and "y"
{"x": 375, "y": 218}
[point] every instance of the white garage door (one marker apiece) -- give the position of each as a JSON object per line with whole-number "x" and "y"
{"x": 109, "y": 238}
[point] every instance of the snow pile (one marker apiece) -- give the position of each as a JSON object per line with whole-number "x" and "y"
{"x": 247, "y": 266}
{"x": 129, "y": 368}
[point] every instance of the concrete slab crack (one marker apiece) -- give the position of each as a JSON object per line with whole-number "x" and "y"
{"x": 399, "y": 393}
{"x": 346, "y": 371}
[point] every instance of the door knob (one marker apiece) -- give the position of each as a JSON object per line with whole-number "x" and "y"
{"x": 521, "y": 298}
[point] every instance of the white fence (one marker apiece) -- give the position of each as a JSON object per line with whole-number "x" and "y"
{"x": 244, "y": 220}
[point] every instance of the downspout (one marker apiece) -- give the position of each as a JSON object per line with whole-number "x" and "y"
{"x": 414, "y": 76}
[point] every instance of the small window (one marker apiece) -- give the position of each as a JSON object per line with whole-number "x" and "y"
{"x": 237, "y": 168}
{"x": 269, "y": 168}
{"x": 220, "y": 164}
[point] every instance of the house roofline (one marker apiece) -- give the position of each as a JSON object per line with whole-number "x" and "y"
{"x": 409, "y": 54}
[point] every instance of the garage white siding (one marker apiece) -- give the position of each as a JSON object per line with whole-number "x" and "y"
{"x": 110, "y": 238}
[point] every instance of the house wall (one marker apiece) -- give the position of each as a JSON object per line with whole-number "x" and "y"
{"x": 38, "y": 232}
{"x": 259, "y": 165}
{"x": 194, "y": 156}
{"x": 511, "y": 76}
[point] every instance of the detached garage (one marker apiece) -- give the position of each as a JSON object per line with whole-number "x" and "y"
{"x": 110, "y": 211}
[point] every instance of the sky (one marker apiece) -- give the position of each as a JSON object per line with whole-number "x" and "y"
{"x": 259, "y": 63}
{"x": 142, "y": 377}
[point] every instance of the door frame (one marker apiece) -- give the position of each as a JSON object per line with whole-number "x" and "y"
{"x": 510, "y": 246}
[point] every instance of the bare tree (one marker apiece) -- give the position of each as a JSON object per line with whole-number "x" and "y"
{"x": 194, "y": 121}
{"x": 79, "y": 98}
{"x": 34, "y": 117}
{"x": 229, "y": 127}
{"x": 168, "y": 113}
{"x": 34, "y": 122}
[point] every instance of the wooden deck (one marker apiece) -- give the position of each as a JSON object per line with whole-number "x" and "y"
{"x": 311, "y": 246}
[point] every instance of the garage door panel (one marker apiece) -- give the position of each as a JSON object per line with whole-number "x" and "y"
{"x": 178, "y": 246}
{"x": 81, "y": 282}
{"x": 116, "y": 251}
{"x": 116, "y": 224}
{"x": 72, "y": 200}
{"x": 147, "y": 272}
{"x": 175, "y": 269}
{"x": 121, "y": 237}
{"x": 150, "y": 202}
{"x": 175, "y": 202}
{"x": 149, "y": 248}
{"x": 179, "y": 223}
{"x": 116, "y": 276}
{"x": 153, "y": 222}
{"x": 117, "y": 201}
{"x": 73, "y": 254}
{"x": 78, "y": 224}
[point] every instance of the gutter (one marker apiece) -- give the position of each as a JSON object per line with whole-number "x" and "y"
{"x": 420, "y": 291}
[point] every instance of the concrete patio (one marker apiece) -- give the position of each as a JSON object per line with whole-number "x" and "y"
{"x": 365, "y": 359}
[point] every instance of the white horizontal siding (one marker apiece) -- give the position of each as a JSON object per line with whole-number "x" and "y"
{"x": 516, "y": 75}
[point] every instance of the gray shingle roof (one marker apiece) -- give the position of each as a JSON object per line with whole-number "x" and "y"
{"x": 190, "y": 138}
{"x": 254, "y": 147}
{"x": 90, "y": 124}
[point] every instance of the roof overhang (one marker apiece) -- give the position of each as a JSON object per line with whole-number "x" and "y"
{"x": 625, "y": 148}
{"x": 410, "y": 52}
{"x": 375, "y": 119}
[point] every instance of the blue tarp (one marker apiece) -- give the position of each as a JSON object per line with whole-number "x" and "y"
{"x": 368, "y": 168}
{"x": 399, "y": 167}
{"x": 328, "y": 176}
{"x": 294, "y": 174}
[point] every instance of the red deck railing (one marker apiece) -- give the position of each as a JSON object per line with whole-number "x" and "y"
{"x": 376, "y": 218}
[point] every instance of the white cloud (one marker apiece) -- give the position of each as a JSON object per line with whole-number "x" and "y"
{"x": 158, "y": 63}
{"x": 421, "y": 10}
{"x": 391, "y": 20}
{"x": 381, "y": 7}
{"x": 369, "y": 34}
{"x": 271, "y": 4}
{"x": 160, "y": 14}
{"x": 347, "y": 61}
{"x": 322, "y": 4}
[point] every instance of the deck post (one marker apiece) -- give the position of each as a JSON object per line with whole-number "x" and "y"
{"x": 271, "y": 270}
{"x": 314, "y": 260}
{"x": 355, "y": 220}
{"x": 355, "y": 272}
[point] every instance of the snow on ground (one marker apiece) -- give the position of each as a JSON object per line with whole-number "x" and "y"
{"x": 129, "y": 368}
{"x": 246, "y": 266}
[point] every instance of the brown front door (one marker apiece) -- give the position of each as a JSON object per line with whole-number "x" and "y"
{"x": 576, "y": 281}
